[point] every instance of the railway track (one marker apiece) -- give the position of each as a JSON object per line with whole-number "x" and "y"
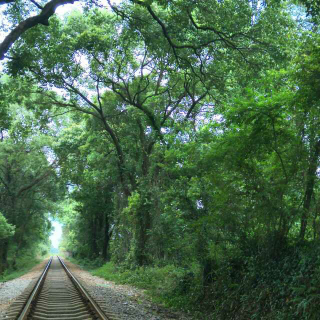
{"x": 57, "y": 295}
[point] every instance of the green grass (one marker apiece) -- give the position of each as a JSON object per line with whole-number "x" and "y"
{"x": 274, "y": 284}
{"x": 170, "y": 286}
{"x": 85, "y": 264}
{"x": 22, "y": 269}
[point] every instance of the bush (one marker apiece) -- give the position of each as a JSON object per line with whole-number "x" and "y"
{"x": 87, "y": 263}
{"x": 23, "y": 265}
{"x": 175, "y": 286}
{"x": 285, "y": 287}
{"x": 256, "y": 286}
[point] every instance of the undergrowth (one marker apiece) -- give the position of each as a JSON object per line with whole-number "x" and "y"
{"x": 86, "y": 263}
{"x": 283, "y": 285}
{"x": 169, "y": 285}
{"x": 23, "y": 265}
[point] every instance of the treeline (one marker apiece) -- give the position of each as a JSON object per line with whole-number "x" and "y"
{"x": 28, "y": 184}
{"x": 187, "y": 134}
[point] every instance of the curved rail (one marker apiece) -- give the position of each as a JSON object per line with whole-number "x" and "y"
{"x": 35, "y": 292}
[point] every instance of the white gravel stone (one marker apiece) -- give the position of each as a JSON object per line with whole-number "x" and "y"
{"x": 11, "y": 290}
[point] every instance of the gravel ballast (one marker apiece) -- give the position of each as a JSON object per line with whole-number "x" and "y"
{"x": 122, "y": 301}
{"x": 11, "y": 290}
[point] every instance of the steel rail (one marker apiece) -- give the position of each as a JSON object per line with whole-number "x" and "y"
{"x": 36, "y": 290}
{"x": 90, "y": 301}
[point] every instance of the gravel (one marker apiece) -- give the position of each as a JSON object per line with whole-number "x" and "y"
{"x": 121, "y": 302}
{"x": 124, "y": 301}
{"x": 11, "y": 290}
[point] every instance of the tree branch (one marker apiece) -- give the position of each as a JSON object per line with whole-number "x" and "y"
{"x": 34, "y": 182}
{"x": 6, "y": 1}
{"x": 36, "y": 4}
{"x": 42, "y": 18}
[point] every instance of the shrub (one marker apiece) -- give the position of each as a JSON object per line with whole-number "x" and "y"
{"x": 175, "y": 286}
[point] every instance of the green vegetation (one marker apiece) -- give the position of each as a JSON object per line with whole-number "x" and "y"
{"x": 28, "y": 182}
{"x": 177, "y": 142}
{"x": 171, "y": 285}
{"x": 23, "y": 264}
{"x": 6, "y": 229}
{"x": 262, "y": 287}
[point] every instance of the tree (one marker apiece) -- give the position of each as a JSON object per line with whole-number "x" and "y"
{"x": 27, "y": 180}
{"x": 88, "y": 217}
{"x": 6, "y": 230}
{"x": 42, "y": 17}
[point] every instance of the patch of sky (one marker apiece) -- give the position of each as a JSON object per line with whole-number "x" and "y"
{"x": 56, "y": 234}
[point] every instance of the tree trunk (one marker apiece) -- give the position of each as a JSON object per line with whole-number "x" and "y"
{"x": 311, "y": 175}
{"x": 142, "y": 228}
{"x": 94, "y": 246}
{"x": 107, "y": 235}
{"x": 4, "y": 255}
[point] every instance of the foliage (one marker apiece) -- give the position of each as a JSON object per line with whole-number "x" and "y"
{"x": 168, "y": 284}
{"x": 246, "y": 286}
{"x": 6, "y": 230}
{"x": 24, "y": 263}
{"x": 28, "y": 188}
{"x": 178, "y": 143}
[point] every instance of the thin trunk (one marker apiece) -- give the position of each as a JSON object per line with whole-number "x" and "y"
{"x": 4, "y": 255}
{"x": 311, "y": 175}
{"x": 94, "y": 247}
{"x": 121, "y": 159}
{"x": 142, "y": 237}
{"x": 107, "y": 235}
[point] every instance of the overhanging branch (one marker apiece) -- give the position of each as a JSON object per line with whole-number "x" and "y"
{"x": 6, "y": 1}
{"x": 42, "y": 18}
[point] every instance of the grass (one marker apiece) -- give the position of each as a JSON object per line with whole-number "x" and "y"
{"x": 170, "y": 286}
{"x": 278, "y": 284}
{"x": 85, "y": 264}
{"x": 10, "y": 274}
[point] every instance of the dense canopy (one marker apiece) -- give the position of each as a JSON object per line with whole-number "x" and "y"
{"x": 173, "y": 135}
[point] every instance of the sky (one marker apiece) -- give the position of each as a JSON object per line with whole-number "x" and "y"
{"x": 56, "y": 235}
{"x": 61, "y": 10}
